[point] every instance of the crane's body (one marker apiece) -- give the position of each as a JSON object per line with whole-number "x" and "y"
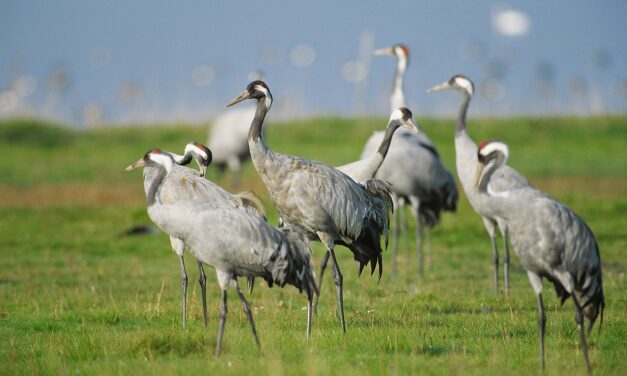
{"x": 318, "y": 200}
{"x": 228, "y": 138}
{"x": 235, "y": 242}
{"x": 413, "y": 168}
{"x": 550, "y": 240}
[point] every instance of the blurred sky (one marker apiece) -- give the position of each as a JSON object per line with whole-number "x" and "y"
{"x": 97, "y": 61}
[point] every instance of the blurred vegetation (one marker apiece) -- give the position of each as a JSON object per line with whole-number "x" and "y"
{"x": 76, "y": 296}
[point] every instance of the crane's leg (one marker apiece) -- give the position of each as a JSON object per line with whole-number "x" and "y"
{"x": 395, "y": 233}
{"x": 506, "y": 263}
{"x": 429, "y": 255}
{"x": 223, "y": 312}
{"x": 339, "y": 282}
{"x": 323, "y": 266}
{"x": 536, "y": 284}
{"x": 403, "y": 229}
{"x": 419, "y": 231}
{"x": 184, "y": 285}
{"x": 202, "y": 280}
{"x": 490, "y": 227}
{"x": 309, "y": 309}
{"x": 249, "y": 315}
{"x": 580, "y": 326}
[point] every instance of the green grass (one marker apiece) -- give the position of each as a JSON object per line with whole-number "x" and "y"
{"x": 76, "y": 297}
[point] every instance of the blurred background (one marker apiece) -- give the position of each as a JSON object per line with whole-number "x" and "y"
{"x": 88, "y": 63}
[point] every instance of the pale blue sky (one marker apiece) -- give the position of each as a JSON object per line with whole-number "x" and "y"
{"x": 156, "y": 44}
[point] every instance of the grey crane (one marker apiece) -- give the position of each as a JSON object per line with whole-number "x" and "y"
{"x": 414, "y": 169}
{"x": 318, "y": 200}
{"x": 228, "y": 137}
{"x": 366, "y": 168}
{"x": 466, "y": 161}
{"x": 187, "y": 184}
{"x": 550, "y": 240}
{"x": 233, "y": 241}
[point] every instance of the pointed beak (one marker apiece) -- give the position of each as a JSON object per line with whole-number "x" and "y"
{"x": 480, "y": 167}
{"x": 409, "y": 124}
{"x": 442, "y": 86}
{"x": 385, "y": 52}
{"x": 240, "y": 98}
{"x": 138, "y": 164}
{"x": 203, "y": 171}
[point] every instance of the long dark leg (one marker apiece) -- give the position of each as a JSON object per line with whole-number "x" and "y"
{"x": 323, "y": 266}
{"x": 184, "y": 285}
{"x": 404, "y": 229}
{"x": 395, "y": 236}
{"x": 421, "y": 266}
{"x": 339, "y": 282}
{"x": 541, "y": 327}
{"x": 506, "y": 263}
{"x": 429, "y": 255}
{"x": 202, "y": 280}
{"x": 223, "y": 312}
{"x": 249, "y": 315}
{"x": 580, "y": 326}
{"x": 309, "y": 309}
{"x": 495, "y": 261}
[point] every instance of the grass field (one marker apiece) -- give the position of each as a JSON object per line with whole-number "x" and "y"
{"x": 76, "y": 297}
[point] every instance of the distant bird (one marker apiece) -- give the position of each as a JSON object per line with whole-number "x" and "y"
{"x": 233, "y": 241}
{"x": 466, "y": 161}
{"x": 550, "y": 240}
{"x": 184, "y": 184}
{"x": 414, "y": 169}
{"x": 228, "y": 137}
{"x": 366, "y": 168}
{"x": 318, "y": 200}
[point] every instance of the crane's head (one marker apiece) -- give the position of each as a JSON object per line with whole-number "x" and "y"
{"x": 399, "y": 50}
{"x": 154, "y": 157}
{"x": 201, "y": 154}
{"x": 255, "y": 90}
{"x": 402, "y": 117}
{"x": 490, "y": 152}
{"x": 458, "y": 82}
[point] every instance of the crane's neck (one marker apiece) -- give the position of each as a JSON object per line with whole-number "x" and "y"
{"x": 153, "y": 178}
{"x": 487, "y": 173}
{"x": 181, "y": 160}
{"x": 461, "y": 117}
{"x": 398, "y": 95}
{"x": 387, "y": 138}
{"x": 255, "y": 134}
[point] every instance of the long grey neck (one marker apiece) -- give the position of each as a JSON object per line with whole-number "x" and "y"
{"x": 387, "y": 137}
{"x": 484, "y": 180}
{"x": 153, "y": 177}
{"x": 461, "y": 117}
{"x": 255, "y": 134}
{"x": 182, "y": 160}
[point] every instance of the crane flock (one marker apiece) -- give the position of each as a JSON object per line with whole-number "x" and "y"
{"x": 351, "y": 205}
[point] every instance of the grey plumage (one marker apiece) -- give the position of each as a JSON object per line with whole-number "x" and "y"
{"x": 184, "y": 184}
{"x": 466, "y": 162}
{"x": 233, "y": 241}
{"x": 413, "y": 167}
{"x": 550, "y": 240}
{"x": 318, "y": 200}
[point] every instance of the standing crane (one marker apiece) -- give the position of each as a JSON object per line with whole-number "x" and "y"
{"x": 233, "y": 241}
{"x": 466, "y": 161}
{"x": 318, "y": 200}
{"x": 414, "y": 169}
{"x": 184, "y": 184}
{"x": 550, "y": 240}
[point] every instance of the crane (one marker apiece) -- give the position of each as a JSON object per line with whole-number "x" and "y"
{"x": 233, "y": 241}
{"x": 318, "y": 200}
{"x": 187, "y": 184}
{"x": 550, "y": 240}
{"x": 466, "y": 160}
{"x": 414, "y": 169}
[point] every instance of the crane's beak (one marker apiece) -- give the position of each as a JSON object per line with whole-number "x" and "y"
{"x": 203, "y": 171}
{"x": 241, "y": 97}
{"x": 409, "y": 124}
{"x": 138, "y": 164}
{"x": 480, "y": 167}
{"x": 385, "y": 52}
{"x": 442, "y": 86}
